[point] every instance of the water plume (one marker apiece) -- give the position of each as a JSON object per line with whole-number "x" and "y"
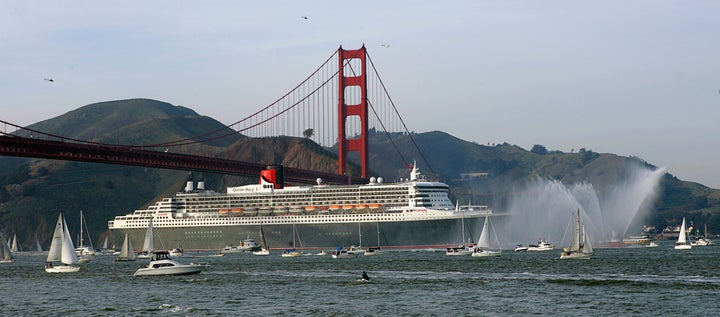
{"x": 545, "y": 208}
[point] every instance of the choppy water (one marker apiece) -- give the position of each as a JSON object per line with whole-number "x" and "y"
{"x": 636, "y": 281}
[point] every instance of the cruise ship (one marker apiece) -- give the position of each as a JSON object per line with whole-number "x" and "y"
{"x": 413, "y": 213}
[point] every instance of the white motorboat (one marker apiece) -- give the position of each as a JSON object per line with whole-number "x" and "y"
{"x": 459, "y": 250}
{"x": 176, "y": 252}
{"x": 520, "y": 248}
{"x": 161, "y": 264}
{"x": 542, "y": 245}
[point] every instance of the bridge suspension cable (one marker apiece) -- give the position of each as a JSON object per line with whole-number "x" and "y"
{"x": 307, "y": 110}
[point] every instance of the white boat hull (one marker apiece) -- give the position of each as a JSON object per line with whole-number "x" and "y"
{"x": 484, "y": 253}
{"x": 291, "y": 254}
{"x": 683, "y": 247}
{"x": 62, "y": 269}
{"x": 575, "y": 255}
{"x": 173, "y": 270}
{"x": 261, "y": 252}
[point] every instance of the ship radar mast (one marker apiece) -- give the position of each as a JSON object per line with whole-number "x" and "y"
{"x": 415, "y": 172}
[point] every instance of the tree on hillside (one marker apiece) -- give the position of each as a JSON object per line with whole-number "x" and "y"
{"x": 309, "y": 133}
{"x": 539, "y": 149}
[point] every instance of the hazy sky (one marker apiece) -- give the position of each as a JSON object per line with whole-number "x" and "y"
{"x": 635, "y": 78}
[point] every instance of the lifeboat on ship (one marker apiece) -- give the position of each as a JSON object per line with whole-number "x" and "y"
{"x": 296, "y": 210}
{"x": 375, "y": 206}
{"x": 265, "y": 211}
{"x": 249, "y": 211}
{"x": 311, "y": 209}
{"x": 348, "y": 207}
{"x": 361, "y": 206}
{"x": 224, "y": 211}
{"x": 280, "y": 210}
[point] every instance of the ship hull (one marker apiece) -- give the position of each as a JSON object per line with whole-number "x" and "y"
{"x": 434, "y": 233}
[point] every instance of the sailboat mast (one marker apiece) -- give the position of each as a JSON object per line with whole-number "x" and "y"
{"x": 377, "y": 227}
{"x": 80, "y": 240}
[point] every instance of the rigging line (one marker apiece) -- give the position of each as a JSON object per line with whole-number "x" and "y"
{"x": 259, "y": 122}
{"x": 261, "y": 110}
{"x": 182, "y": 142}
{"x": 388, "y": 134}
{"x": 398, "y": 114}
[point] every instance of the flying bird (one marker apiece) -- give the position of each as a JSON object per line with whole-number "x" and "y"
{"x": 304, "y": 17}
{"x": 385, "y": 45}
{"x": 49, "y": 79}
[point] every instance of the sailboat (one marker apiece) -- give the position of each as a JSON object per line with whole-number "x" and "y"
{"x": 292, "y": 252}
{"x": 484, "y": 247}
{"x": 149, "y": 243}
{"x": 263, "y": 245}
{"x": 355, "y": 250}
{"x": 126, "y": 252}
{"x": 84, "y": 253}
{"x": 375, "y": 250}
{"x": 38, "y": 247}
{"x": 580, "y": 247}
{"x": 61, "y": 250}
{"x": 682, "y": 241}
{"x": 703, "y": 241}
{"x": 6, "y": 255}
{"x": 106, "y": 250}
{"x": 464, "y": 247}
{"x": 15, "y": 246}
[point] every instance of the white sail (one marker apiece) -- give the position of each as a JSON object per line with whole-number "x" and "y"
{"x": 587, "y": 246}
{"x": 682, "y": 236}
{"x": 575, "y": 245}
{"x": 15, "y": 247}
{"x": 149, "y": 243}
{"x": 484, "y": 241}
{"x": 38, "y": 247}
{"x": 68, "y": 249}
{"x": 5, "y": 253}
{"x": 105, "y": 244}
{"x": 263, "y": 244}
{"x": 55, "y": 252}
{"x": 127, "y": 252}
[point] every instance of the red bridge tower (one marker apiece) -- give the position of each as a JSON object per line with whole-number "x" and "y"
{"x": 345, "y": 110}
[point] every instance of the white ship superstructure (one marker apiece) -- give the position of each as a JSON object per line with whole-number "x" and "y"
{"x": 204, "y": 219}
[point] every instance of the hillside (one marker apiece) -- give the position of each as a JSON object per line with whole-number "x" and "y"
{"x": 33, "y": 191}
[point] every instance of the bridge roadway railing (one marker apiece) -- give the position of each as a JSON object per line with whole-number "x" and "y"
{"x": 123, "y": 155}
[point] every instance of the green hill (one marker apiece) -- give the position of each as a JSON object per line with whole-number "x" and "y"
{"x": 33, "y": 191}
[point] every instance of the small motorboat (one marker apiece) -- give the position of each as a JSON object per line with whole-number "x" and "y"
{"x": 161, "y": 264}
{"x": 520, "y": 248}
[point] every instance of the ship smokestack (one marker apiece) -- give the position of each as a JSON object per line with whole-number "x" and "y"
{"x": 189, "y": 183}
{"x": 274, "y": 174}
{"x": 201, "y": 184}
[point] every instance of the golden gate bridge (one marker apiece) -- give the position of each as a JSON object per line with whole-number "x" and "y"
{"x": 336, "y": 105}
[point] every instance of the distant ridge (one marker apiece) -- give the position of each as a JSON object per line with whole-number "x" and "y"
{"x": 33, "y": 191}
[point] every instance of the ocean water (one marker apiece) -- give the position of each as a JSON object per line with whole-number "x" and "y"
{"x": 627, "y": 281}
